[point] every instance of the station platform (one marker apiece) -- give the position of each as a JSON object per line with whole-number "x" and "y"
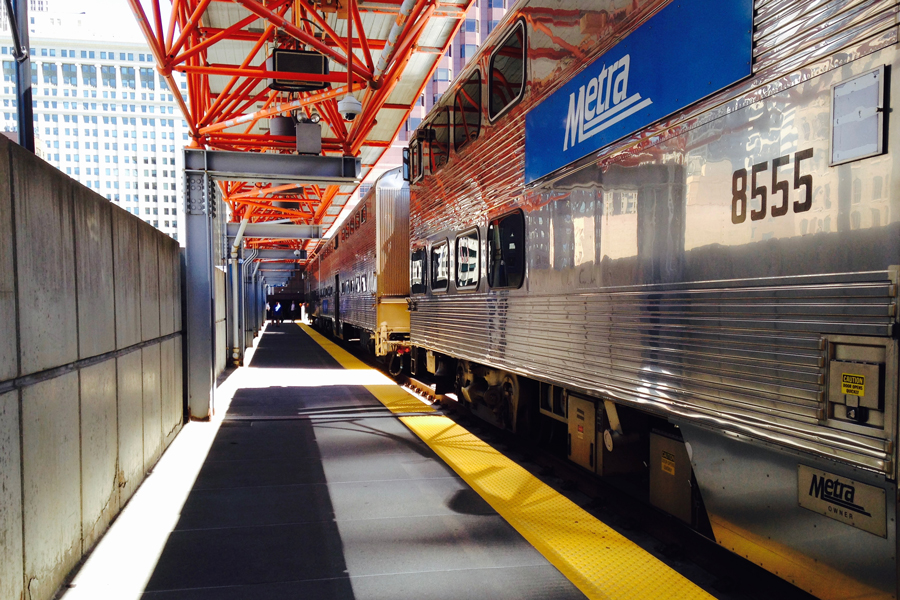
{"x": 321, "y": 478}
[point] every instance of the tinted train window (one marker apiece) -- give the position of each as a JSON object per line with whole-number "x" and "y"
{"x": 507, "y": 71}
{"x": 440, "y": 139}
{"x": 506, "y": 251}
{"x": 440, "y": 267}
{"x": 467, "y": 112}
{"x": 467, "y": 260}
{"x": 417, "y": 272}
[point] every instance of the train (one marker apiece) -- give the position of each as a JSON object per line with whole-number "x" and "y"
{"x": 663, "y": 239}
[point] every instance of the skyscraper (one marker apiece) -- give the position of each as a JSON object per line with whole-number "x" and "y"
{"x": 103, "y": 114}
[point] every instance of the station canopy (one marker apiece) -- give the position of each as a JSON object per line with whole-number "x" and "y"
{"x": 392, "y": 48}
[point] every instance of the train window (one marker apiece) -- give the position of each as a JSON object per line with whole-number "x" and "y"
{"x": 440, "y": 266}
{"x": 467, "y": 260}
{"x": 507, "y": 72}
{"x": 467, "y": 112}
{"x": 440, "y": 139}
{"x": 415, "y": 160}
{"x": 506, "y": 251}
{"x": 363, "y": 215}
{"x": 417, "y": 272}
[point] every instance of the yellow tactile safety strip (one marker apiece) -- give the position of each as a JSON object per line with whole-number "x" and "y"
{"x": 599, "y": 561}
{"x": 394, "y": 397}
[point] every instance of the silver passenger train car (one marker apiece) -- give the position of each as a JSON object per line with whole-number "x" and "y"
{"x": 668, "y": 235}
{"x": 361, "y": 276}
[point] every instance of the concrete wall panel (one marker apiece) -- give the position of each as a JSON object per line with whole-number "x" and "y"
{"x": 167, "y": 299}
{"x": 94, "y": 264}
{"x": 11, "y": 581}
{"x": 152, "y": 406}
{"x": 167, "y": 390}
{"x": 179, "y": 380}
{"x": 52, "y": 482}
{"x": 149, "y": 257}
{"x": 9, "y": 357}
{"x": 129, "y": 393}
{"x": 99, "y": 449}
{"x": 128, "y": 279}
{"x": 45, "y": 262}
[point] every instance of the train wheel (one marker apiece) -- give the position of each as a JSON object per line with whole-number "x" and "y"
{"x": 462, "y": 381}
{"x": 509, "y": 391}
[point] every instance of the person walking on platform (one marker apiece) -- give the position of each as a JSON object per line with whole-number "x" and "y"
{"x": 268, "y": 311}
{"x": 277, "y": 313}
{"x": 293, "y": 316}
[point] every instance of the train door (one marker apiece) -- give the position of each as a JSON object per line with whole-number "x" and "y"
{"x": 337, "y": 304}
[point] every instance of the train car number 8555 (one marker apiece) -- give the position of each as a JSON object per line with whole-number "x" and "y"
{"x": 740, "y": 189}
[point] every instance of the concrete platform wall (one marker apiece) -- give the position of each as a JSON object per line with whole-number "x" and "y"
{"x": 90, "y": 367}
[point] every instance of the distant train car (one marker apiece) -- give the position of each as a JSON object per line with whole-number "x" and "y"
{"x": 667, "y": 234}
{"x": 362, "y": 273}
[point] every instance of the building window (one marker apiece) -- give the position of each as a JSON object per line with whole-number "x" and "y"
{"x": 506, "y": 251}
{"x": 442, "y": 74}
{"x": 507, "y": 72}
{"x": 70, "y": 74}
{"x": 49, "y": 71}
{"x": 468, "y": 50}
{"x": 108, "y": 75}
{"x": 89, "y": 75}
{"x": 148, "y": 79}
{"x": 128, "y": 79}
{"x": 471, "y": 26}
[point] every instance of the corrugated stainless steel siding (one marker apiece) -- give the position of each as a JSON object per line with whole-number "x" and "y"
{"x": 791, "y": 33}
{"x": 682, "y": 350}
{"x": 393, "y": 241}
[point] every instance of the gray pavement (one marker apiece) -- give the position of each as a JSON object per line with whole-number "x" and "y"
{"x": 316, "y": 491}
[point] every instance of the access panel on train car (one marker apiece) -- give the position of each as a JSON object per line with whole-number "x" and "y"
{"x": 687, "y": 51}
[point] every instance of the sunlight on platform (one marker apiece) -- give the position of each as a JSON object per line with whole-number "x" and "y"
{"x": 124, "y": 560}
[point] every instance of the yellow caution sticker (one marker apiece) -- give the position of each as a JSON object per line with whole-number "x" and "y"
{"x": 854, "y": 385}
{"x": 668, "y": 462}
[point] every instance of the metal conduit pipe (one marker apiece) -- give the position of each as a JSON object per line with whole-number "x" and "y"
{"x": 235, "y": 283}
{"x": 396, "y": 29}
{"x": 245, "y": 278}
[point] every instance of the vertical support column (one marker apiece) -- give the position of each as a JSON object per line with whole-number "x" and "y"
{"x": 25, "y": 111}
{"x": 200, "y": 294}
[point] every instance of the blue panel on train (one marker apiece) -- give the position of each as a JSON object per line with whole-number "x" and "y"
{"x": 687, "y": 51}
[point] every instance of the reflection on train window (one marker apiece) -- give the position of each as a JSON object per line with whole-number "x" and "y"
{"x": 417, "y": 272}
{"x": 467, "y": 260}
{"x": 506, "y": 251}
{"x": 440, "y": 139}
{"x": 507, "y": 71}
{"x": 440, "y": 267}
{"x": 467, "y": 112}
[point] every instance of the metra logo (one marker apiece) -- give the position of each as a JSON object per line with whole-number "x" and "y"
{"x": 835, "y": 492}
{"x": 602, "y": 103}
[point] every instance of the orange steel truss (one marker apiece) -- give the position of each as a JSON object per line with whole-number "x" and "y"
{"x": 228, "y": 119}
